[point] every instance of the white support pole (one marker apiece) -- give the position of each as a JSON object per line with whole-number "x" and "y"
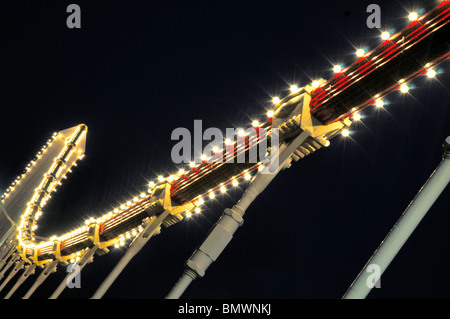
{"x": 83, "y": 261}
{"x": 404, "y": 227}
{"x": 6, "y": 249}
{"x": 5, "y": 258}
{"x": 9, "y": 264}
{"x": 29, "y": 270}
{"x": 41, "y": 278}
{"x": 19, "y": 265}
{"x": 223, "y": 231}
{"x": 149, "y": 230}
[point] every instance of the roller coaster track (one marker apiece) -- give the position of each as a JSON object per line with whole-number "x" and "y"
{"x": 414, "y": 51}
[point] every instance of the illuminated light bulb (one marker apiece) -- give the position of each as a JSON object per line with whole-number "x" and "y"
{"x": 404, "y": 88}
{"x": 294, "y": 88}
{"x": 328, "y": 143}
{"x": 188, "y": 214}
{"x": 385, "y": 35}
{"x": 337, "y": 69}
{"x": 223, "y": 189}
{"x": 149, "y": 190}
{"x": 198, "y": 210}
{"x": 270, "y": 114}
{"x": 151, "y": 184}
{"x": 357, "y": 117}
{"x": 142, "y": 194}
{"x": 255, "y": 123}
{"x": 122, "y": 243}
{"x": 116, "y": 245}
{"x": 241, "y": 132}
{"x": 413, "y": 16}
{"x": 276, "y": 100}
{"x": 127, "y": 235}
{"x": 135, "y": 199}
{"x": 128, "y": 203}
{"x": 227, "y": 141}
{"x": 379, "y": 103}
{"x": 171, "y": 178}
{"x": 215, "y": 149}
{"x": 360, "y": 52}
{"x": 160, "y": 178}
{"x": 72, "y": 260}
{"x": 431, "y": 73}
{"x": 203, "y": 157}
{"x": 191, "y": 164}
{"x": 315, "y": 84}
{"x": 345, "y": 132}
{"x": 92, "y": 220}
{"x": 181, "y": 172}
{"x": 211, "y": 195}
{"x": 260, "y": 167}
{"x": 122, "y": 206}
{"x": 247, "y": 176}
{"x": 134, "y": 232}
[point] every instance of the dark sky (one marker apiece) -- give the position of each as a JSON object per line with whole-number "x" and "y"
{"x": 137, "y": 70}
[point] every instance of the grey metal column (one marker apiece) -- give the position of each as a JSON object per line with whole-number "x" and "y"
{"x": 222, "y": 232}
{"x": 29, "y": 270}
{"x": 41, "y": 278}
{"x": 404, "y": 227}
{"x": 19, "y": 265}
{"x": 135, "y": 247}
{"x": 5, "y": 258}
{"x": 9, "y": 264}
{"x": 83, "y": 261}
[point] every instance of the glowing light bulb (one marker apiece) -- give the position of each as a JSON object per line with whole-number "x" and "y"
{"x": 211, "y": 195}
{"x": 171, "y": 178}
{"x": 227, "y": 141}
{"x": 270, "y": 114}
{"x": 223, "y": 189}
{"x": 122, "y": 206}
{"x": 255, "y": 123}
{"x": 276, "y": 100}
{"x": 345, "y": 132}
{"x": 215, "y": 149}
{"x": 203, "y": 157}
{"x": 241, "y": 132}
{"x": 234, "y": 182}
{"x": 360, "y": 52}
{"x": 431, "y": 73}
{"x": 191, "y": 164}
{"x": 315, "y": 84}
{"x": 379, "y": 103}
{"x": 247, "y": 176}
{"x": 200, "y": 201}
{"x": 160, "y": 178}
{"x": 197, "y": 210}
{"x": 357, "y": 117}
{"x": 188, "y": 214}
{"x": 294, "y": 88}
{"x": 404, "y": 88}
{"x": 337, "y": 69}
{"x": 413, "y": 16}
{"x": 181, "y": 172}
{"x": 385, "y": 35}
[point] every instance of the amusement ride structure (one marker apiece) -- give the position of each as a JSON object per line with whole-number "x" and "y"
{"x": 302, "y": 122}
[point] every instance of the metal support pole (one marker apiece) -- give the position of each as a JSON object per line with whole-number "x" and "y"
{"x": 6, "y": 249}
{"x": 134, "y": 248}
{"x": 5, "y": 258}
{"x": 9, "y": 264}
{"x": 223, "y": 231}
{"x": 83, "y": 261}
{"x": 404, "y": 227}
{"x": 41, "y": 278}
{"x": 29, "y": 270}
{"x": 19, "y": 265}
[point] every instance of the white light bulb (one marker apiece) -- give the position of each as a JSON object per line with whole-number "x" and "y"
{"x": 345, "y": 132}
{"x": 357, "y": 116}
{"x": 276, "y": 100}
{"x": 385, "y": 35}
{"x": 404, "y": 88}
{"x": 360, "y": 53}
{"x": 413, "y": 16}
{"x": 431, "y": 73}
{"x": 270, "y": 114}
{"x": 337, "y": 69}
{"x": 255, "y": 123}
{"x": 294, "y": 88}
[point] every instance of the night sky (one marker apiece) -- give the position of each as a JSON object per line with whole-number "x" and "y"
{"x": 137, "y": 70}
